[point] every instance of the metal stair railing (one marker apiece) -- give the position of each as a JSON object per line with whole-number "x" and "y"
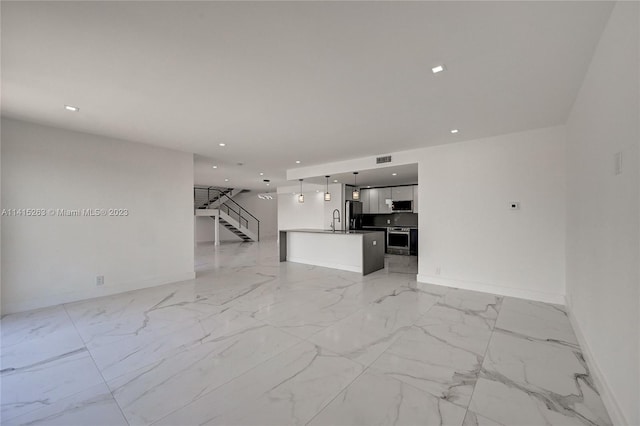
{"x": 228, "y": 206}
{"x": 205, "y": 196}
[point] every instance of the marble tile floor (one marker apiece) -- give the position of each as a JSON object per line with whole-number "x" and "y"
{"x": 252, "y": 341}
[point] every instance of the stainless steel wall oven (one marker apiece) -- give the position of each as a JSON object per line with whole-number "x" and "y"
{"x": 398, "y": 240}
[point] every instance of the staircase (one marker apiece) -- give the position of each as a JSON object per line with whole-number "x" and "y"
{"x": 217, "y": 203}
{"x": 211, "y": 197}
{"x": 234, "y": 226}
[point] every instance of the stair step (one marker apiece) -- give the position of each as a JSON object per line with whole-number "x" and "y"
{"x": 236, "y": 231}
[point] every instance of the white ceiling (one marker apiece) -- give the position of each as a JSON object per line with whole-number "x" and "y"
{"x": 380, "y": 176}
{"x": 285, "y": 81}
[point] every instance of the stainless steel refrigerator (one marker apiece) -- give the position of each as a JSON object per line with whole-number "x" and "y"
{"x": 353, "y": 215}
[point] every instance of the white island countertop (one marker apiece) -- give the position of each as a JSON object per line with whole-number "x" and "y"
{"x": 359, "y": 251}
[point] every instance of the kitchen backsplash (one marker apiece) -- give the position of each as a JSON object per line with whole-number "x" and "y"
{"x": 397, "y": 219}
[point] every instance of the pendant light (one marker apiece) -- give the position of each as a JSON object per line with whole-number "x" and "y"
{"x": 327, "y": 195}
{"x": 356, "y": 193}
{"x": 301, "y": 196}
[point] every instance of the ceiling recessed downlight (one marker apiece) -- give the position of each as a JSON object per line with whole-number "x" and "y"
{"x": 261, "y": 174}
{"x": 394, "y": 174}
{"x": 437, "y": 69}
{"x": 226, "y": 180}
{"x": 454, "y": 131}
{"x": 335, "y": 181}
{"x": 71, "y": 108}
{"x": 215, "y": 167}
{"x": 222, "y": 144}
{"x": 297, "y": 161}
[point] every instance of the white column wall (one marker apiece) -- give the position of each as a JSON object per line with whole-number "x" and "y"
{"x": 603, "y": 215}
{"x": 51, "y": 260}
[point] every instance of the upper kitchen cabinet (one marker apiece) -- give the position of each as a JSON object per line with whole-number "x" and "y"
{"x": 384, "y": 200}
{"x": 373, "y": 200}
{"x": 415, "y": 198}
{"x": 364, "y": 197}
{"x": 402, "y": 193}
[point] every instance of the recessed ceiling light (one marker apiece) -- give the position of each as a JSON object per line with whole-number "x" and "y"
{"x": 394, "y": 174}
{"x": 215, "y": 167}
{"x": 335, "y": 181}
{"x": 268, "y": 184}
{"x": 437, "y": 69}
{"x": 368, "y": 186}
{"x": 261, "y": 174}
{"x": 71, "y": 108}
{"x": 222, "y": 144}
{"x": 454, "y": 131}
{"x": 297, "y": 161}
{"x": 226, "y": 180}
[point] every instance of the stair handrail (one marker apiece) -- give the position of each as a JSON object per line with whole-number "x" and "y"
{"x": 238, "y": 213}
{"x": 240, "y": 208}
{"x": 210, "y": 199}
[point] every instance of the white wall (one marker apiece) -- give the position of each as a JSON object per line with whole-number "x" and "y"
{"x": 50, "y": 260}
{"x": 265, "y": 210}
{"x": 205, "y": 230}
{"x": 603, "y": 214}
{"x": 314, "y": 213}
{"x": 469, "y": 237}
{"x": 0, "y": 218}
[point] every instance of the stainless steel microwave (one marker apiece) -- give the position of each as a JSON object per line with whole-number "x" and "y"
{"x": 402, "y": 206}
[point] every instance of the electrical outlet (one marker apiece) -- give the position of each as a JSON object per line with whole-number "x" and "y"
{"x": 388, "y": 221}
{"x": 100, "y": 280}
{"x": 375, "y": 243}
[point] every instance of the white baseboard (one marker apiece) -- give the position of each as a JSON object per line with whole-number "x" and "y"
{"x": 492, "y": 288}
{"x": 606, "y": 393}
{"x": 15, "y": 306}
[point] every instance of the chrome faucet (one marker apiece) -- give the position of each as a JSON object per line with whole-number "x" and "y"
{"x": 333, "y": 219}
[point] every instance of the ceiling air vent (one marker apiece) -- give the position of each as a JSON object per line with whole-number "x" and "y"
{"x": 381, "y": 160}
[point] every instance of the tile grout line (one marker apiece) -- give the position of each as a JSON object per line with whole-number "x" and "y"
{"x": 64, "y": 306}
{"x": 484, "y": 357}
{"x": 305, "y": 340}
{"x": 368, "y": 367}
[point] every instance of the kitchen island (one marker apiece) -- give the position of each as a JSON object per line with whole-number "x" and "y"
{"x": 355, "y": 251}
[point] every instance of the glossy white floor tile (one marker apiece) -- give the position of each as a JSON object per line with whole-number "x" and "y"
{"x": 252, "y": 341}
{"x": 541, "y": 321}
{"x": 288, "y": 389}
{"x": 155, "y": 390}
{"x": 440, "y": 354}
{"x": 524, "y": 381}
{"x": 92, "y": 406}
{"x": 375, "y": 399}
